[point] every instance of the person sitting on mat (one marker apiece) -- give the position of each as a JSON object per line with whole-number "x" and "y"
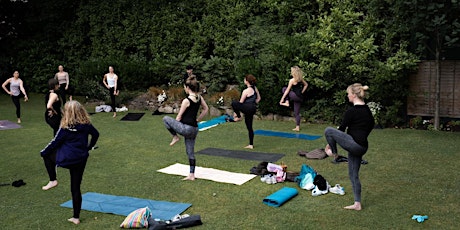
{"x": 71, "y": 143}
{"x": 186, "y": 122}
{"x": 358, "y": 122}
{"x": 294, "y": 92}
{"x": 250, "y": 97}
{"x": 53, "y": 119}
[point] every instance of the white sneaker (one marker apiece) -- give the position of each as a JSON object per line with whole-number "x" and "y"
{"x": 264, "y": 178}
{"x": 337, "y": 189}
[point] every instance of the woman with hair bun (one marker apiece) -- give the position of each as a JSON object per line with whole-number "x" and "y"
{"x": 186, "y": 122}
{"x": 358, "y": 123}
{"x": 250, "y": 97}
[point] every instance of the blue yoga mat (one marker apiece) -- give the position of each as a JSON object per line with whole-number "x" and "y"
{"x": 280, "y": 197}
{"x": 286, "y": 135}
{"x": 124, "y": 205}
{"x": 214, "y": 122}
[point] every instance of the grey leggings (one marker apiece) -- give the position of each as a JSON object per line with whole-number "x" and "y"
{"x": 297, "y": 103}
{"x": 189, "y": 132}
{"x": 355, "y": 155}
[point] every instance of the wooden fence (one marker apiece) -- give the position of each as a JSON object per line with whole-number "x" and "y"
{"x": 421, "y": 100}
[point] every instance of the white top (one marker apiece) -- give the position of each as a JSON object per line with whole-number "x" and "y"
{"x": 111, "y": 80}
{"x": 15, "y": 86}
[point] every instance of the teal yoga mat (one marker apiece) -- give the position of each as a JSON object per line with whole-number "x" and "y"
{"x": 124, "y": 205}
{"x": 286, "y": 135}
{"x": 214, "y": 122}
{"x": 280, "y": 197}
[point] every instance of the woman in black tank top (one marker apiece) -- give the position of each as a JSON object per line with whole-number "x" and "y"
{"x": 186, "y": 122}
{"x": 53, "y": 119}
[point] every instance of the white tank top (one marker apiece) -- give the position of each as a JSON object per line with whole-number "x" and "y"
{"x": 111, "y": 80}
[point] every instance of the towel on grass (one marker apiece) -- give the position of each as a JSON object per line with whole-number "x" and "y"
{"x": 208, "y": 174}
{"x": 124, "y": 205}
{"x": 280, "y": 197}
{"x": 5, "y": 124}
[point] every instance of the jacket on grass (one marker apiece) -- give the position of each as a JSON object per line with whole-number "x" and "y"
{"x": 72, "y": 144}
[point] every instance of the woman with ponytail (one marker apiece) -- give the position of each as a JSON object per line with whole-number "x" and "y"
{"x": 357, "y": 124}
{"x": 186, "y": 122}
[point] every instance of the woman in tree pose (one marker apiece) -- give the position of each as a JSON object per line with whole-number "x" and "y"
{"x": 186, "y": 122}
{"x": 358, "y": 123}
{"x": 16, "y": 87}
{"x": 64, "y": 84}
{"x": 53, "y": 117}
{"x": 294, "y": 92}
{"x": 71, "y": 144}
{"x": 110, "y": 81}
{"x": 247, "y": 104}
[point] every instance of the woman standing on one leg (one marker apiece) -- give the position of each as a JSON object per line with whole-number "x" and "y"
{"x": 110, "y": 81}
{"x": 53, "y": 119}
{"x": 294, "y": 92}
{"x": 358, "y": 122}
{"x": 64, "y": 84}
{"x": 16, "y": 87}
{"x": 250, "y": 97}
{"x": 71, "y": 143}
{"x": 186, "y": 122}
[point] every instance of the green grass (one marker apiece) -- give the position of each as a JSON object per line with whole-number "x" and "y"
{"x": 409, "y": 172}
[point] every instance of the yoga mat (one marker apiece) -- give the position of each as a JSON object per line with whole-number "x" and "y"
{"x": 286, "y": 135}
{"x": 124, "y": 205}
{"x": 246, "y": 155}
{"x": 280, "y": 197}
{"x": 204, "y": 125}
{"x": 5, "y": 124}
{"x": 132, "y": 117}
{"x": 208, "y": 174}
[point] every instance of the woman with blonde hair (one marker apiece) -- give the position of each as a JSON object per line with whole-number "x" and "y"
{"x": 71, "y": 143}
{"x": 294, "y": 92}
{"x": 358, "y": 123}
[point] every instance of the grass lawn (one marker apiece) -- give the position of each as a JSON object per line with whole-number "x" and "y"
{"x": 409, "y": 172}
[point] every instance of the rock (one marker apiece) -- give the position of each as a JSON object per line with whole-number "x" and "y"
{"x": 214, "y": 112}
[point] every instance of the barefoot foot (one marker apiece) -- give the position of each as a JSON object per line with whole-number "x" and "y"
{"x": 356, "y": 206}
{"x": 285, "y": 103}
{"x": 114, "y": 115}
{"x": 297, "y": 129}
{"x": 74, "y": 220}
{"x": 50, "y": 185}
{"x": 189, "y": 177}
{"x": 328, "y": 151}
{"x": 249, "y": 147}
{"x": 174, "y": 140}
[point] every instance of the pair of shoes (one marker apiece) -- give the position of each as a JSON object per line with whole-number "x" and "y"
{"x": 317, "y": 192}
{"x": 264, "y": 178}
{"x": 339, "y": 159}
{"x": 337, "y": 189}
{"x": 269, "y": 179}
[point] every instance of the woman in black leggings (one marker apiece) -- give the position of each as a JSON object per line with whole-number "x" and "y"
{"x": 250, "y": 97}
{"x": 53, "y": 119}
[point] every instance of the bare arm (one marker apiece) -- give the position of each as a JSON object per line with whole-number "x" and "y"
{"x": 305, "y": 86}
{"x": 105, "y": 81}
{"x": 116, "y": 84}
{"x": 4, "y": 86}
{"x": 49, "y": 106}
{"x": 288, "y": 89}
{"x": 258, "y": 96}
{"x": 185, "y": 104}
{"x": 21, "y": 87}
{"x": 67, "y": 80}
{"x": 204, "y": 111}
{"x": 244, "y": 94}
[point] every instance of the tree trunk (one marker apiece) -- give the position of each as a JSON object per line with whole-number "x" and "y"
{"x": 437, "y": 90}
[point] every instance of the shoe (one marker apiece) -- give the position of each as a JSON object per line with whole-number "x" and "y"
{"x": 301, "y": 153}
{"x": 337, "y": 189}
{"x": 339, "y": 159}
{"x": 271, "y": 179}
{"x": 264, "y": 178}
{"x": 317, "y": 192}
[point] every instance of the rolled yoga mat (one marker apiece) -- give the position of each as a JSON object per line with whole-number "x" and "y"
{"x": 280, "y": 197}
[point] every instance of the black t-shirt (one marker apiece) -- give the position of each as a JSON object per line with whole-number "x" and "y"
{"x": 359, "y": 122}
{"x": 189, "y": 116}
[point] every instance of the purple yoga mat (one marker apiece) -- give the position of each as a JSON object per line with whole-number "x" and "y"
{"x": 5, "y": 124}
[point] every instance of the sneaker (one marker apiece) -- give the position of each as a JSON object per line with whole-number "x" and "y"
{"x": 264, "y": 178}
{"x": 271, "y": 180}
{"x": 337, "y": 189}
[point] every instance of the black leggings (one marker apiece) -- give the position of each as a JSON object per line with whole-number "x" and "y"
{"x": 112, "y": 98}
{"x": 17, "y": 104}
{"x": 50, "y": 160}
{"x": 249, "y": 109}
{"x": 76, "y": 176}
{"x": 63, "y": 92}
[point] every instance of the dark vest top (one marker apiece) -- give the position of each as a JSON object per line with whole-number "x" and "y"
{"x": 252, "y": 98}
{"x": 56, "y": 104}
{"x": 189, "y": 116}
